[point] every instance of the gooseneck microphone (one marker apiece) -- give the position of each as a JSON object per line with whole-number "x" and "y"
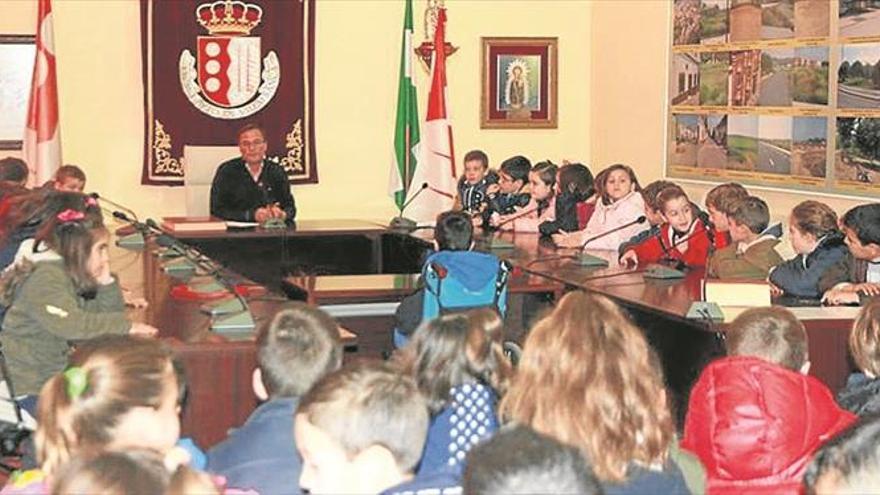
{"x": 641, "y": 219}
{"x": 401, "y": 222}
{"x": 126, "y": 209}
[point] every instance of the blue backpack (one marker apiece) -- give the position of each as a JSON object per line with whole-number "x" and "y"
{"x": 459, "y": 281}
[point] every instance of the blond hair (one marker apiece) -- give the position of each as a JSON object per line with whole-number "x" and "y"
{"x": 864, "y": 340}
{"x": 121, "y": 373}
{"x": 588, "y": 378}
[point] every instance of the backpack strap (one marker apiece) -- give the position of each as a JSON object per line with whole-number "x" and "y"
{"x": 504, "y": 268}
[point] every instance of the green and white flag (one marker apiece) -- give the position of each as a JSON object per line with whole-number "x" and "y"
{"x": 406, "y": 129}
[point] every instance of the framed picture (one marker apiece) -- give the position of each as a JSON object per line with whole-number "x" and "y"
{"x": 16, "y": 69}
{"x": 519, "y": 83}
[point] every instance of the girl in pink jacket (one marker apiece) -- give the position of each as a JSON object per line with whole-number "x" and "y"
{"x": 541, "y": 208}
{"x": 618, "y": 202}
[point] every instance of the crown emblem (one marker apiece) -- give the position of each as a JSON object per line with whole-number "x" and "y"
{"x": 229, "y": 17}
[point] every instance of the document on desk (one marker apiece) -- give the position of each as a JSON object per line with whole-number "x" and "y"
{"x": 232, "y": 224}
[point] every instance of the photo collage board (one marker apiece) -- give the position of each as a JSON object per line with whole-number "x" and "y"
{"x": 781, "y": 93}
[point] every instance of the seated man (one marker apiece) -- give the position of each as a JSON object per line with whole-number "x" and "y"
{"x": 857, "y": 277}
{"x": 296, "y": 349}
{"x": 755, "y": 418}
{"x": 251, "y": 188}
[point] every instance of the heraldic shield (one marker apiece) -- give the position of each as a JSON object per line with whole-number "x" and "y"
{"x": 229, "y": 69}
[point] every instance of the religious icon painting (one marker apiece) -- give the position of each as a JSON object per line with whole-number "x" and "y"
{"x": 519, "y": 83}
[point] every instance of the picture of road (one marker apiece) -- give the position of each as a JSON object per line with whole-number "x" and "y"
{"x": 859, "y": 18}
{"x": 742, "y": 142}
{"x": 713, "y": 21}
{"x": 775, "y": 86}
{"x": 685, "y": 143}
{"x": 808, "y": 146}
{"x": 714, "y": 76}
{"x": 712, "y": 141}
{"x": 809, "y": 77}
{"x": 774, "y": 145}
{"x": 686, "y": 22}
{"x": 858, "y": 76}
{"x": 777, "y": 19}
{"x": 858, "y": 155}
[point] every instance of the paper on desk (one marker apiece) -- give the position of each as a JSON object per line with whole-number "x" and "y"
{"x": 232, "y": 224}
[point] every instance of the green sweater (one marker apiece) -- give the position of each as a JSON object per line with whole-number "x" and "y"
{"x": 754, "y": 264}
{"x": 45, "y": 314}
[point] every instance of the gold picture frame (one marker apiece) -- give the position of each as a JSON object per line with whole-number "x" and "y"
{"x": 519, "y": 83}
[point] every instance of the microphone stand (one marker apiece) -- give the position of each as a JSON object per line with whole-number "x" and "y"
{"x": 136, "y": 240}
{"x": 402, "y": 223}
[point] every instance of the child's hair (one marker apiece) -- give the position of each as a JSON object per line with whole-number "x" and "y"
{"x": 518, "y": 460}
{"x": 70, "y": 172}
{"x": 517, "y": 167}
{"x": 722, "y": 196}
{"x": 72, "y": 233}
{"x": 773, "y": 334}
{"x": 134, "y": 471}
{"x": 752, "y": 212}
{"x": 454, "y": 231}
{"x": 456, "y": 349}
{"x": 477, "y": 156}
{"x": 79, "y": 408}
{"x": 864, "y": 221}
{"x": 576, "y": 178}
{"x": 668, "y": 194}
{"x": 546, "y": 171}
{"x": 602, "y": 178}
{"x": 370, "y": 403}
{"x": 650, "y": 192}
{"x": 298, "y": 347}
{"x": 850, "y": 461}
{"x": 588, "y": 378}
{"x": 13, "y": 169}
{"x": 864, "y": 340}
{"x": 814, "y": 218}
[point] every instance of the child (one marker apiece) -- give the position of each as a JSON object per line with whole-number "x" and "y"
{"x": 848, "y": 464}
{"x": 118, "y": 393}
{"x": 862, "y": 393}
{"x": 453, "y": 231}
{"x": 69, "y": 178}
{"x": 719, "y": 202}
{"x": 361, "y": 430}
{"x": 511, "y": 190}
{"x": 542, "y": 206}
{"x": 857, "y": 277}
{"x": 517, "y": 460}
{"x": 13, "y": 175}
{"x": 618, "y": 203}
{"x": 819, "y": 245}
{"x": 652, "y": 212}
{"x": 472, "y": 186}
{"x": 74, "y": 297}
{"x": 574, "y": 187}
{"x": 683, "y": 238}
{"x": 607, "y": 398}
{"x": 298, "y": 347}
{"x": 137, "y": 471}
{"x": 755, "y": 418}
{"x": 459, "y": 366}
{"x": 753, "y": 252}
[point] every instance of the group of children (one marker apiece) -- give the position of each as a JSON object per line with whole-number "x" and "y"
{"x": 836, "y": 261}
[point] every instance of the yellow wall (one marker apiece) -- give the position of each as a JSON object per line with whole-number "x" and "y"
{"x": 358, "y": 47}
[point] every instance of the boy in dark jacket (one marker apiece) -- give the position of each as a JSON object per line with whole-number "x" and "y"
{"x": 819, "y": 244}
{"x": 857, "y": 277}
{"x": 473, "y": 186}
{"x": 298, "y": 347}
{"x": 511, "y": 191}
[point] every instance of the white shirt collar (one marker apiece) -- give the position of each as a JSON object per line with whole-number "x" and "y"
{"x": 742, "y": 247}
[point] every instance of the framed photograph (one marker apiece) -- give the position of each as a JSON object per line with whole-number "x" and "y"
{"x": 519, "y": 83}
{"x": 16, "y": 69}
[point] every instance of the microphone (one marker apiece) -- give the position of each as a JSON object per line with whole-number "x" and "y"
{"x": 584, "y": 259}
{"x": 129, "y": 211}
{"x": 401, "y": 222}
{"x": 518, "y": 215}
{"x": 667, "y": 256}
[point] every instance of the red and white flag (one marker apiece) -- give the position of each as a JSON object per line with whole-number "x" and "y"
{"x": 436, "y": 166}
{"x": 42, "y": 137}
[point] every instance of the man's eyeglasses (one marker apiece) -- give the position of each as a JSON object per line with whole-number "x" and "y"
{"x": 252, "y": 144}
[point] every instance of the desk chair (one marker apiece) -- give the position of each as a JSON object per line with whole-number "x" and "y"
{"x": 12, "y": 433}
{"x": 199, "y": 165}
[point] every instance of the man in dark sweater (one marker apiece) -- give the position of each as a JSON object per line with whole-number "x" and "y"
{"x": 251, "y": 188}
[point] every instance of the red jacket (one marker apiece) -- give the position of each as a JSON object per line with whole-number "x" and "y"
{"x": 660, "y": 246}
{"x": 722, "y": 239}
{"x": 756, "y": 425}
